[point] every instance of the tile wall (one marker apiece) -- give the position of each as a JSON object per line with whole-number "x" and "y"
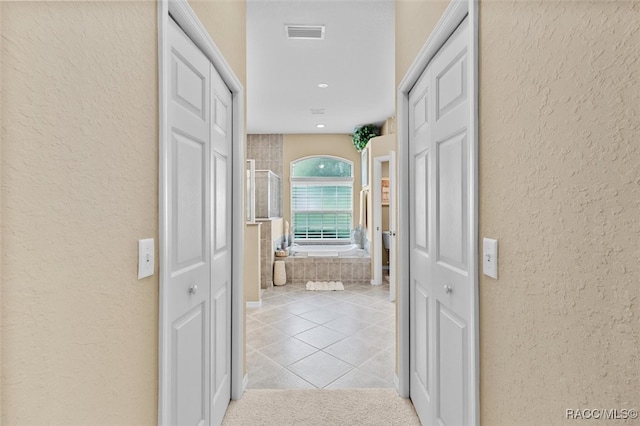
{"x": 346, "y": 269}
{"x": 268, "y": 151}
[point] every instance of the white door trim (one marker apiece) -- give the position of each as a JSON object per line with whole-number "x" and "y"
{"x": 452, "y": 17}
{"x": 191, "y": 25}
{"x": 377, "y": 218}
{"x": 393, "y": 200}
{"x": 377, "y": 221}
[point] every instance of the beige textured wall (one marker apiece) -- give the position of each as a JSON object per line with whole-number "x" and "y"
{"x": 415, "y": 20}
{"x": 226, "y": 22}
{"x": 79, "y": 176}
{"x": 252, "y": 262}
{"x": 79, "y": 188}
{"x": 298, "y": 146}
{"x": 560, "y": 190}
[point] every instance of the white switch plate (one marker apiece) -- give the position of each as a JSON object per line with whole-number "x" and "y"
{"x": 490, "y": 257}
{"x": 145, "y": 258}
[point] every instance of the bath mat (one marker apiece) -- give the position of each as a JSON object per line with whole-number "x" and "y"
{"x": 324, "y": 285}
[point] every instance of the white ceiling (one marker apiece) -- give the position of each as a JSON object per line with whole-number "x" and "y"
{"x": 356, "y": 59}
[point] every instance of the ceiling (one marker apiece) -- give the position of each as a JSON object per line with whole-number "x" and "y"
{"x": 356, "y": 59}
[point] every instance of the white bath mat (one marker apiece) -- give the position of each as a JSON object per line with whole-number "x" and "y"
{"x": 324, "y": 285}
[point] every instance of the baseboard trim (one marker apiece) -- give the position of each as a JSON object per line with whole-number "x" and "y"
{"x": 245, "y": 383}
{"x": 254, "y": 305}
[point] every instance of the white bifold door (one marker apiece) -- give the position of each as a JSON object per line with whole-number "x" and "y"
{"x": 442, "y": 350}
{"x": 197, "y": 303}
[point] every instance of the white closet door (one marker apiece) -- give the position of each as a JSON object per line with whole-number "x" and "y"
{"x": 189, "y": 237}
{"x": 197, "y": 333}
{"x": 221, "y": 114}
{"x": 441, "y": 292}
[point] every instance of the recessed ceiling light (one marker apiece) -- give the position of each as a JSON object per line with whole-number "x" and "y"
{"x": 323, "y": 85}
{"x": 320, "y": 126}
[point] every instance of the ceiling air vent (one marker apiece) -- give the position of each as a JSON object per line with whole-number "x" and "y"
{"x": 305, "y": 32}
{"x": 317, "y": 111}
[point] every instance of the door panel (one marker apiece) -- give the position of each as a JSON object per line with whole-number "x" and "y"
{"x": 452, "y": 241}
{"x": 188, "y": 184}
{"x": 198, "y": 294}
{"x": 452, "y": 367}
{"x": 420, "y": 110}
{"x": 220, "y": 166}
{"x": 421, "y": 194}
{"x": 221, "y": 112}
{"x": 189, "y": 242}
{"x": 189, "y": 85}
{"x": 188, "y": 372}
{"x": 420, "y": 224}
{"x": 220, "y": 354}
{"x": 451, "y": 84}
{"x": 422, "y": 322}
{"x": 221, "y": 135}
{"x": 441, "y": 295}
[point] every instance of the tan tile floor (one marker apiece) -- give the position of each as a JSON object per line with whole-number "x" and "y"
{"x": 303, "y": 339}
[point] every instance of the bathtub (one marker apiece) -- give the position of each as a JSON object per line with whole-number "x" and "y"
{"x": 327, "y": 250}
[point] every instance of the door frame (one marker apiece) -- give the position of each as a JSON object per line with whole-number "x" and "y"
{"x": 186, "y": 18}
{"x": 393, "y": 225}
{"x": 377, "y": 221}
{"x": 450, "y": 20}
{"x": 376, "y": 201}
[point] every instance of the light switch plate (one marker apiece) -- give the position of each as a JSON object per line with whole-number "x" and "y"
{"x": 145, "y": 258}
{"x": 490, "y": 257}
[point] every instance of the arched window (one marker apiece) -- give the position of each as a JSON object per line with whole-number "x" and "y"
{"x": 321, "y": 198}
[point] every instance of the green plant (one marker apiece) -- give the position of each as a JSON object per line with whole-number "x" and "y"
{"x": 361, "y": 135}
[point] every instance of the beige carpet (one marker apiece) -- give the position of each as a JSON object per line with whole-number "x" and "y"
{"x": 321, "y": 407}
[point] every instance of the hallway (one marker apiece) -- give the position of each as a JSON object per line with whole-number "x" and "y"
{"x": 301, "y": 339}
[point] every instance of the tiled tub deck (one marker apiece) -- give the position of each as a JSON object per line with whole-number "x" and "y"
{"x": 349, "y": 270}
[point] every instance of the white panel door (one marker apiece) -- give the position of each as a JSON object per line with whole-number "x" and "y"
{"x": 420, "y": 265}
{"x": 189, "y": 237}
{"x": 441, "y": 293}
{"x": 221, "y": 125}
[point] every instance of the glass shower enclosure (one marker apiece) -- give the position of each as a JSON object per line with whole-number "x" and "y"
{"x": 268, "y": 195}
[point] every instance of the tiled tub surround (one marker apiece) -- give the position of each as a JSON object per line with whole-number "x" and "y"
{"x": 328, "y": 250}
{"x": 312, "y": 340}
{"x": 349, "y": 270}
{"x": 270, "y": 236}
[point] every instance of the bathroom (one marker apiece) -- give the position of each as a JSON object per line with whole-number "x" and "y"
{"x": 298, "y": 339}
{"x": 347, "y": 260}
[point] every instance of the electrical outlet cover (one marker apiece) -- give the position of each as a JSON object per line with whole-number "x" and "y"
{"x": 146, "y": 257}
{"x": 490, "y": 257}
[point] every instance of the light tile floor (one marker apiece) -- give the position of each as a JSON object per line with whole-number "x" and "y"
{"x": 303, "y": 339}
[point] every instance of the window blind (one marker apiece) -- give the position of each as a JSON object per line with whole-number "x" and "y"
{"x": 322, "y": 209}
